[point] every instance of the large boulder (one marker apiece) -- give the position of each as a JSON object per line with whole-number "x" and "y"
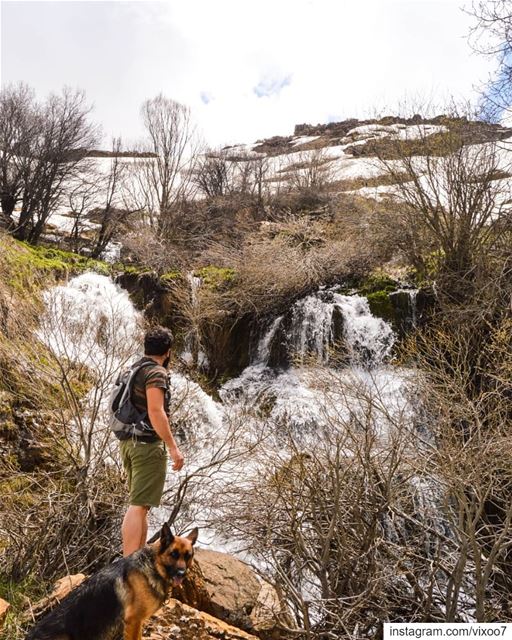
{"x": 60, "y": 590}
{"x": 228, "y": 589}
{"x": 221, "y": 585}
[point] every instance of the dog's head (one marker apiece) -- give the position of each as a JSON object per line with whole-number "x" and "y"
{"x": 174, "y": 554}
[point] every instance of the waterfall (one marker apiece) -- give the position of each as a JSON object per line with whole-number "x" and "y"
{"x": 263, "y": 350}
{"x": 369, "y": 339}
{"x": 305, "y": 390}
{"x": 92, "y": 321}
{"x": 320, "y": 325}
{"x": 191, "y": 353}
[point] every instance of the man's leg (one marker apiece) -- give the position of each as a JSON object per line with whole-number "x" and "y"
{"x": 135, "y": 529}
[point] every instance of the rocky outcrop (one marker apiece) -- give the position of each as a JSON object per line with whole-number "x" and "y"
{"x": 147, "y": 291}
{"x": 177, "y": 621}
{"x": 228, "y": 589}
{"x": 60, "y": 590}
{"x": 232, "y": 585}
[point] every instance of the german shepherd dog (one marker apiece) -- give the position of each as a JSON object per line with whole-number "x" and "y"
{"x": 113, "y": 603}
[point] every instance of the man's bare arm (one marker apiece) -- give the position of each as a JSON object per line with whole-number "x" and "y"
{"x": 160, "y": 423}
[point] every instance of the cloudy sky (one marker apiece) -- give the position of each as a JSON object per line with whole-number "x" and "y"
{"x": 248, "y": 69}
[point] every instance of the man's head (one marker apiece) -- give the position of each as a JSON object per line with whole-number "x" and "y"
{"x": 157, "y": 341}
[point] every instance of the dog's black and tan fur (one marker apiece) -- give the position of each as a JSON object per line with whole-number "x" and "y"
{"x": 114, "y": 602}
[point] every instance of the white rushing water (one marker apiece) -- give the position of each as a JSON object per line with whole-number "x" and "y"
{"x": 92, "y": 321}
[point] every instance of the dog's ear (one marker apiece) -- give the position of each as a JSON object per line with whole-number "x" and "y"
{"x": 192, "y": 536}
{"x": 166, "y": 537}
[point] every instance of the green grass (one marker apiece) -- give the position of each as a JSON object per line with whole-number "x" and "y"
{"x": 19, "y": 595}
{"x": 171, "y": 276}
{"x": 28, "y": 267}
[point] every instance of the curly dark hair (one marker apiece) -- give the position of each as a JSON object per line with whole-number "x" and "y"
{"x": 157, "y": 341}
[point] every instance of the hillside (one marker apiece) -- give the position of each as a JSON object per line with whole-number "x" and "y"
{"x": 340, "y": 300}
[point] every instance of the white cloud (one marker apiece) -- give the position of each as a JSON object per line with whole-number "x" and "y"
{"x": 248, "y": 69}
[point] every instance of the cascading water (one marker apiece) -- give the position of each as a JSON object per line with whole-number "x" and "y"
{"x": 310, "y": 392}
{"x": 92, "y": 321}
{"x": 320, "y": 325}
{"x": 192, "y": 354}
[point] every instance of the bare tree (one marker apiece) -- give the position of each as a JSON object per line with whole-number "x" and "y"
{"x": 212, "y": 173}
{"x": 219, "y": 173}
{"x": 56, "y": 154}
{"x": 18, "y": 128}
{"x": 82, "y": 197}
{"x": 112, "y": 213}
{"x": 311, "y": 171}
{"x": 492, "y": 36}
{"x": 165, "y": 179}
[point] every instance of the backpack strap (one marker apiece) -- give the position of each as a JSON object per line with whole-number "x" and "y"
{"x": 129, "y": 383}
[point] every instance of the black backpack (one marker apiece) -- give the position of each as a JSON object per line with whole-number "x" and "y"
{"x": 126, "y": 421}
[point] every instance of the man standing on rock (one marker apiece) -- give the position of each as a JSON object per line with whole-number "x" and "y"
{"x": 144, "y": 457}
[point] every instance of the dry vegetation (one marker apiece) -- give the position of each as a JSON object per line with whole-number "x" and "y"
{"x": 355, "y": 526}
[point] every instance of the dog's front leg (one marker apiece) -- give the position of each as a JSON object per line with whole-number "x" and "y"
{"x": 132, "y": 629}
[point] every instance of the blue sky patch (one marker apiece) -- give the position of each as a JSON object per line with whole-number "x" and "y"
{"x": 272, "y": 86}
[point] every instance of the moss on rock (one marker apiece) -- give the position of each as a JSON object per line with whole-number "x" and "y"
{"x": 216, "y": 277}
{"x": 376, "y": 282}
{"x": 380, "y": 305}
{"x": 26, "y": 267}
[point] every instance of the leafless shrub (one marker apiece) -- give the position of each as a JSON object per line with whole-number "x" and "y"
{"x": 452, "y": 209}
{"x": 331, "y": 518}
{"x": 380, "y": 514}
{"x": 312, "y": 171}
{"x": 467, "y": 368}
{"x": 285, "y": 261}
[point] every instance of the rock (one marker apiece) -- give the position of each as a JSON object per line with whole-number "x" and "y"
{"x": 65, "y": 585}
{"x": 279, "y": 356}
{"x": 60, "y": 591}
{"x": 193, "y": 592}
{"x": 4, "y": 608}
{"x": 266, "y": 612}
{"x": 232, "y": 586}
{"x": 228, "y": 589}
{"x": 176, "y": 620}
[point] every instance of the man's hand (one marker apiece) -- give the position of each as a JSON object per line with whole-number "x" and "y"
{"x": 177, "y": 458}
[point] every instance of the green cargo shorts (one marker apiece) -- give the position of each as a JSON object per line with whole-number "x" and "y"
{"x": 145, "y": 464}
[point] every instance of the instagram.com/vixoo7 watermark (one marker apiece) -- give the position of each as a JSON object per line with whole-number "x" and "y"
{"x": 395, "y": 631}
